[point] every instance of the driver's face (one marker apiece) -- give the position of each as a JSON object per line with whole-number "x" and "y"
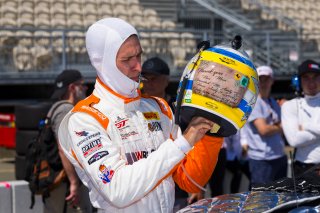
{"x": 128, "y": 58}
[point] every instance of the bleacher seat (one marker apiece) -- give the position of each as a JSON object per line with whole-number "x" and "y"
{"x": 57, "y": 42}
{"x": 138, "y": 21}
{"x": 120, "y": 10}
{"x": 22, "y": 58}
{"x": 132, "y": 2}
{"x": 73, "y": 16}
{"x": 88, "y": 19}
{"x": 42, "y": 23}
{"x": 189, "y": 42}
{"x": 105, "y": 10}
{"x": 76, "y": 41}
{"x": 42, "y": 57}
{"x": 43, "y": 3}
{"x": 8, "y": 11}
{"x": 168, "y": 25}
{"x": 27, "y": 3}
{"x": 12, "y": 3}
{"x": 152, "y": 19}
{"x": 305, "y": 13}
{"x": 42, "y": 38}
{"x": 145, "y": 42}
{"x": 9, "y": 23}
{"x": 135, "y": 10}
{"x": 24, "y": 37}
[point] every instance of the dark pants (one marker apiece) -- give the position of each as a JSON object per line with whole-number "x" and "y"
{"x": 237, "y": 168}
{"x": 217, "y": 177}
{"x": 265, "y": 171}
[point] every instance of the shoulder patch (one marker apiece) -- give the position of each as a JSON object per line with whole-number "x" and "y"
{"x": 85, "y": 106}
{"x": 164, "y": 106}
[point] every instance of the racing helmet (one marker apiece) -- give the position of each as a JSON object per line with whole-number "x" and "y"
{"x": 221, "y": 84}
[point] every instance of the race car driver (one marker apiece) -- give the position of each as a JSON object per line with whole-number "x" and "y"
{"x": 124, "y": 147}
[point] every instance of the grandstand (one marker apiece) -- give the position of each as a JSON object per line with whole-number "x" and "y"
{"x": 39, "y": 38}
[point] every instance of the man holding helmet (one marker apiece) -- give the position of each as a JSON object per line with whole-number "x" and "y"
{"x": 125, "y": 148}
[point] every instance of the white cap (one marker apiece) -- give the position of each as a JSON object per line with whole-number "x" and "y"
{"x": 265, "y": 70}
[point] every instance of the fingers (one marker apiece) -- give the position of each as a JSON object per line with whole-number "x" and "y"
{"x": 70, "y": 197}
{"x": 196, "y": 129}
{"x": 191, "y": 199}
{"x": 72, "y": 201}
{"x": 203, "y": 124}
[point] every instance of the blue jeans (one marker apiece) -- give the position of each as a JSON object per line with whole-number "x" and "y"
{"x": 265, "y": 171}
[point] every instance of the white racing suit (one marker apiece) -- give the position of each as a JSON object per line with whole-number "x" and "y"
{"x": 124, "y": 151}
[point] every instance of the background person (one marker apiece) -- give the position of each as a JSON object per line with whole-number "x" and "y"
{"x": 69, "y": 89}
{"x": 120, "y": 143}
{"x": 263, "y": 133}
{"x": 157, "y": 73}
{"x": 301, "y": 118}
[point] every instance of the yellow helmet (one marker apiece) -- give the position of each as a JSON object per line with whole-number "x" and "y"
{"x": 219, "y": 83}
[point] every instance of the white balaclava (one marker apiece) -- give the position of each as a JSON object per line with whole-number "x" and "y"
{"x": 103, "y": 40}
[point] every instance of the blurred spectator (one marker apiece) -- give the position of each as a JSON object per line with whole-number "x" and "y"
{"x": 157, "y": 73}
{"x": 69, "y": 89}
{"x": 301, "y": 118}
{"x": 263, "y": 132}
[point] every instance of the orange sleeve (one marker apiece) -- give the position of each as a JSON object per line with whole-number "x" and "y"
{"x": 199, "y": 164}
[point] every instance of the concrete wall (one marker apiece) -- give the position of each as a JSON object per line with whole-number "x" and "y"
{"x": 15, "y": 197}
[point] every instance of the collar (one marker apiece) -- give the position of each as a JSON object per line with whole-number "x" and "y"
{"x": 116, "y": 100}
{"x": 313, "y": 98}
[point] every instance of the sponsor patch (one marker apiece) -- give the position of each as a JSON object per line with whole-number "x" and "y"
{"x": 125, "y": 136}
{"x": 154, "y": 126}
{"x": 105, "y": 173}
{"x": 99, "y": 114}
{"x": 227, "y": 60}
{"x": 97, "y": 156}
{"x": 81, "y": 133}
{"x": 135, "y": 156}
{"x": 91, "y": 147}
{"x": 151, "y": 115}
{"x": 88, "y": 138}
{"x": 121, "y": 124}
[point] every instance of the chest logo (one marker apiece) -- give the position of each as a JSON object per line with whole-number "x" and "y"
{"x": 151, "y": 115}
{"x": 154, "y": 126}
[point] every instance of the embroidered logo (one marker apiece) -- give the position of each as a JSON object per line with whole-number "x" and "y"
{"x": 105, "y": 173}
{"x": 97, "y": 156}
{"x": 125, "y": 136}
{"x": 151, "y": 115}
{"x": 82, "y": 133}
{"x": 154, "y": 126}
{"x": 91, "y": 147}
{"x": 88, "y": 138}
{"x": 121, "y": 124}
{"x": 135, "y": 156}
{"x": 99, "y": 114}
